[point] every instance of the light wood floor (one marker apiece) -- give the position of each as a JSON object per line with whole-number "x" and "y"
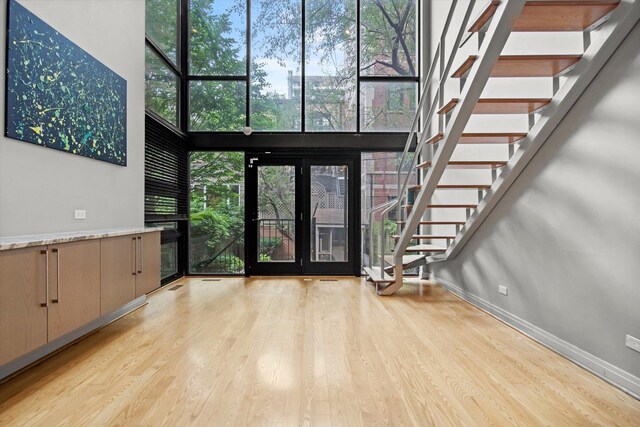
{"x": 269, "y": 351}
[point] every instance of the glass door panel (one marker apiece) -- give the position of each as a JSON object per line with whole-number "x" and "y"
{"x": 276, "y": 214}
{"x": 328, "y": 215}
{"x": 329, "y": 225}
{"x": 301, "y": 214}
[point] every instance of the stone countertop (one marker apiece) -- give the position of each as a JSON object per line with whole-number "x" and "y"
{"x": 17, "y": 242}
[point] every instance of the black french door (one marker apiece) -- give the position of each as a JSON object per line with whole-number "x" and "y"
{"x": 301, "y": 215}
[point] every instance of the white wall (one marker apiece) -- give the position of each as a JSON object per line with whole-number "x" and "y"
{"x": 40, "y": 187}
{"x": 565, "y": 239}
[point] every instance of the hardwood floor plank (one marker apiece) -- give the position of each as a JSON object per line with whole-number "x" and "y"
{"x": 295, "y": 352}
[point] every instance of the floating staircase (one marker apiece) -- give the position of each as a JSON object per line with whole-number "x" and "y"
{"x": 423, "y": 212}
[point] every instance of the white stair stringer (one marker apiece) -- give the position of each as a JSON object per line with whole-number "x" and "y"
{"x": 612, "y": 33}
{"x": 497, "y": 35}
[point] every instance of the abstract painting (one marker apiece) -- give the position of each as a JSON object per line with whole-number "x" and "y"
{"x": 58, "y": 95}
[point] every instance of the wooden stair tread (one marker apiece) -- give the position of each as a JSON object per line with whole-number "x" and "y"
{"x": 502, "y": 105}
{"x": 374, "y": 275}
{"x": 442, "y": 223}
{"x": 553, "y": 15}
{"x": 524, "y": 65}
{"x": 436, "y": 222}
{"x": 427, "y": 237}
{"x": 446, "y": 205}
{"x": 424, "y": 248}
{"x": 464, "y": 186}
{"x": 408, "y": 261}
{"x": 468, "y": 164}
{"x": 453, "y": 205}
{"x": 483, "y": 138}
{"x": 455, "y": 187}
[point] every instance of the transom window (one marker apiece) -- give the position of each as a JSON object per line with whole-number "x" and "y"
{"x": 283, "y": 65}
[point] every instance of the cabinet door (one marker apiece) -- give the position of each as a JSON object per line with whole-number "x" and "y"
{"x": 118, "y": 272}
{"x": 23, "y": 311}
{"x": 74, "y": 286}
{"x": 148, "y": 269}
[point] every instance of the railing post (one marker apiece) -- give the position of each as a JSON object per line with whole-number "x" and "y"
{"x": 382, "y": 244}
{"x": 371, "y": 238}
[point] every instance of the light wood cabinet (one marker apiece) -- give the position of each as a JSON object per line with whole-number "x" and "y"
{"x": 74, "y": 286}
{"x": 23, "y": 311}
{"x": 148, "y": 259}
{"x": 118, "y": 272}
{"x": 46, "y": 292}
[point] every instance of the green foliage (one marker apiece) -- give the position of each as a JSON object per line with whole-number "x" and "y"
{"x": 213, "y": 49}
{"x": 264, "y": 258}
{"x": 161, "y": 93}
{"x": 388, "y": 37}
{"x": 268, "y": 247}
{"x": 212, "y": 223}
{"x": 226, "y": 264}
{"x": 161, "y": 18}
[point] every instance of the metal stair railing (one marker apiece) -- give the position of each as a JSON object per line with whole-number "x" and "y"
{"x": 438, "y": 58}
{"x": 496, "y": 37}
{"x": 437, "y": 100}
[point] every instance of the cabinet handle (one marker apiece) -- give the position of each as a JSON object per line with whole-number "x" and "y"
{"x": 57, "y": 300}
{"x": 135, "y": 257}
{"x": 46, "y": 278}
{"x": 141, "y": 252}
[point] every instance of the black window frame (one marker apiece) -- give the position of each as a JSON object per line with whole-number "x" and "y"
{"x": 188, "y": 78}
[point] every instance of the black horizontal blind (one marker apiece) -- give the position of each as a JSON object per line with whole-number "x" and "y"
{"x": 166, "y": 173}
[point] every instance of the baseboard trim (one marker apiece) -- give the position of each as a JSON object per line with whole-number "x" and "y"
{"x": 49, "y": 348}
{"x": 619, "y": 378}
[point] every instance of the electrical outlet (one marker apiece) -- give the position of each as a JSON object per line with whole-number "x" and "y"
{"x": 80, "y": 214}
{"x": 633, "y": 343}
{"x": 503, "y": 290}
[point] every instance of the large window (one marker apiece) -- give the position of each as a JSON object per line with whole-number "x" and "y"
{"x": 161, "y": 88}
{"x": 216, "y": 235}
{"x": 387, "y": 106}
{"x": 302, "y": 65}
{"x": 276, "y": 55}
{"x": 161, "y": 25}
{"x": 217, "y": 105}
{"x": 388, "y": 38}
{"x": 217, "y": 65}
{"x": 388, "y": 70}
{"x": 331, "y": 66}
{"x": 162, "y": 74}
{"x": 218, "y": 37}
{"x": 379, "y": 185}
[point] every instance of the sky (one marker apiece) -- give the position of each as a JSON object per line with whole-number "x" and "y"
{"x": 276, "y": 74}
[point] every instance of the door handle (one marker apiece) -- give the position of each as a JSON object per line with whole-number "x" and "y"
{"x": 134, "y": 260}
{"x": 140, "y": 252}
{"x": 46, "y": 278}
{"x": 57, "y": 300}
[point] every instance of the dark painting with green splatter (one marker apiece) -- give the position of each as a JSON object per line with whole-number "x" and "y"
{"x": 59, "y": 96}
